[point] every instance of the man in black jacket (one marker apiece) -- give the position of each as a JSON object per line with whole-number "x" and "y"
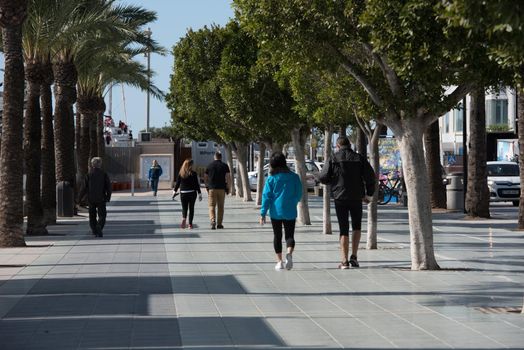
{"x": 98, "y": 189}
{"x": 351, "y": 177}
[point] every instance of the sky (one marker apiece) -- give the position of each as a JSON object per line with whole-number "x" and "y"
{"x": 175, "y": 17}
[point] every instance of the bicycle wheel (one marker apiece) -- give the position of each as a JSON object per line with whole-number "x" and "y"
{"x": 384, "y": 194}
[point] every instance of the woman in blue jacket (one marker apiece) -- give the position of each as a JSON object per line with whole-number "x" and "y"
{"x": 282, "y": 192}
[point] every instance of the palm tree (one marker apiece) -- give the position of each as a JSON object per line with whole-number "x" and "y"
{"x": 48, "y": 146}
{"x": 12, "y": 16}
{"x": 88, "y": 23}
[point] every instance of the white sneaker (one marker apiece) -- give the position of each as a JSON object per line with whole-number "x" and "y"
{"x": 289, "y": 261}
{"x": 279, "y": 266}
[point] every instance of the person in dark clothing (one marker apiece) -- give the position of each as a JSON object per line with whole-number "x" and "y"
{"x": 351, "y": 178}
{"x": 218, "y": 181}
{"x": 154, "y": 175}
{"x": 97, "y": 187}
{"x": 187, "y": 182}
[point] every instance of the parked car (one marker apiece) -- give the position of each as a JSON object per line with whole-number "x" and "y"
{"x": 311, "y": 174}
{"x": 504, "y": 182}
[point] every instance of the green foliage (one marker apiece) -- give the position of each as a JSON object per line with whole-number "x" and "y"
{"x": 497, "y": 128}
{"x": 499, "y": 24}
{"x": 400, "y": 52}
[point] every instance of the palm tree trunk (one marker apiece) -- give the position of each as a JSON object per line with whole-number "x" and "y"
{"x": 48, "y": 149}
{"x": 32, "y": 152}
{"x": 477, "y": 195}
{"x": 84, "y": 149}
{"x": 65, "y": 95}
{"x": 432, "y": 146}
{"x": 12, "y": 15}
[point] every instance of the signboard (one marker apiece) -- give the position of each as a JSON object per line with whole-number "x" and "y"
{"x": 507, "y": 149}
{"x": 389, "y": 153}
{"x": 164, "y": 160}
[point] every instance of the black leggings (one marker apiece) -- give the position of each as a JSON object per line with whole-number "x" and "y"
{"x": 346, "y": 208}
{"x": 289, "y": 228}
{"x": 188, "y": 201}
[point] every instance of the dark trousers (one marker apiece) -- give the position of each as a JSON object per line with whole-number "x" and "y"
{"x": 94, "y": 209}
{"x": 154, "y": 185}
{"x": 346, "y": 208}
{"x": 188, "y": 202}
{"x": 289, "y": 229}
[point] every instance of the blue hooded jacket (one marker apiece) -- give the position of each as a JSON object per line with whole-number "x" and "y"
{"x": 282, "y": 192}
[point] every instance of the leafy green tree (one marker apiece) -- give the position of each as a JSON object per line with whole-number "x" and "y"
{"x": 499, "y": 24}
{"x": 12, "y": 15}
{"x": 399, "y": 44}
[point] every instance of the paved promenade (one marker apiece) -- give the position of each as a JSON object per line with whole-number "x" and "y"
{"x": 150, "y": 285}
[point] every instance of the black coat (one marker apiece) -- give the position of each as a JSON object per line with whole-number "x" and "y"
{"x": 97, "y": 187}
{"x": 350, "y": 175}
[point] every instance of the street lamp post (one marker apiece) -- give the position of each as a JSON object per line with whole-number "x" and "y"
{"x": 148, "y": 55}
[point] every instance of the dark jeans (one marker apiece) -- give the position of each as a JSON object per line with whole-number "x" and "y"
{"x": 188, "y": 202}
{"x": 346, "y": 208}
{"x": 94, "y": 209}
{"x": 154, "y": 185}
{"x": 289, "y": 229}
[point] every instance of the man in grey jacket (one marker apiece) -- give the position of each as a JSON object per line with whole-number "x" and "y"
{"x": 351, "y": 177}
{"x": 98, "y": 189}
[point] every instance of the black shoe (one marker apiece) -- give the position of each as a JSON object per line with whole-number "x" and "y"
{"x": 220, "y": 226}
{"x": 353, "y": 261}
{"x": 213, "y": 227}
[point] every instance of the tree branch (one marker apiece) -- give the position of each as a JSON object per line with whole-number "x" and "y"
{"x": 389, "y": 73}
{"x": 449, "y": 102}
{"x": 351, "y": 67}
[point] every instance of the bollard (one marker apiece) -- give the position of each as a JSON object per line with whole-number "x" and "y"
{"x": 65, "y": 202}
{"x": 455, "y": 192}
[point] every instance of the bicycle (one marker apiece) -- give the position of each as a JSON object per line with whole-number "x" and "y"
{"x": 388, "y": 187}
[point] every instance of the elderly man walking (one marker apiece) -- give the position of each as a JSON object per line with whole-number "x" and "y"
{"x": 98, "y": 189}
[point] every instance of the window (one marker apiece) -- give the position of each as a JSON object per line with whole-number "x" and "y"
{"x": 496, "y": 112}
{"x": 446, "y": 123}
{"x": 458, "y": 116}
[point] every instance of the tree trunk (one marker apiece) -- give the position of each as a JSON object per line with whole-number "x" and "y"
{"x": 373, "y": 205}
{"x": 432, "y": 146}
{"x": 229, "y": 156}
{"x": 101, "y": 143}
{"x": 326, "y": 193}
{"x": 65, "y": 95}
{"x": 260, "y": 175}
{"x": 93, "y": 144}
{"x": 477, "y": 195}
{"x": 520, "y": 127}
{"x": 342, "y": 130}
{"x": 48, "y": 150}
{"x": 12, "y": 14}
{"x": 277, "y": 147}
{"x": 32, "y": 153}
{"x": 78, "y": 132}
{"x": 299, "y": 137}
{"x": 419, "y": 210}
{"x": 241, "y": 152}
{"x": 96, "y": 134}
{"x": 361, "y": 142}
{"x": 84, "y": 147}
